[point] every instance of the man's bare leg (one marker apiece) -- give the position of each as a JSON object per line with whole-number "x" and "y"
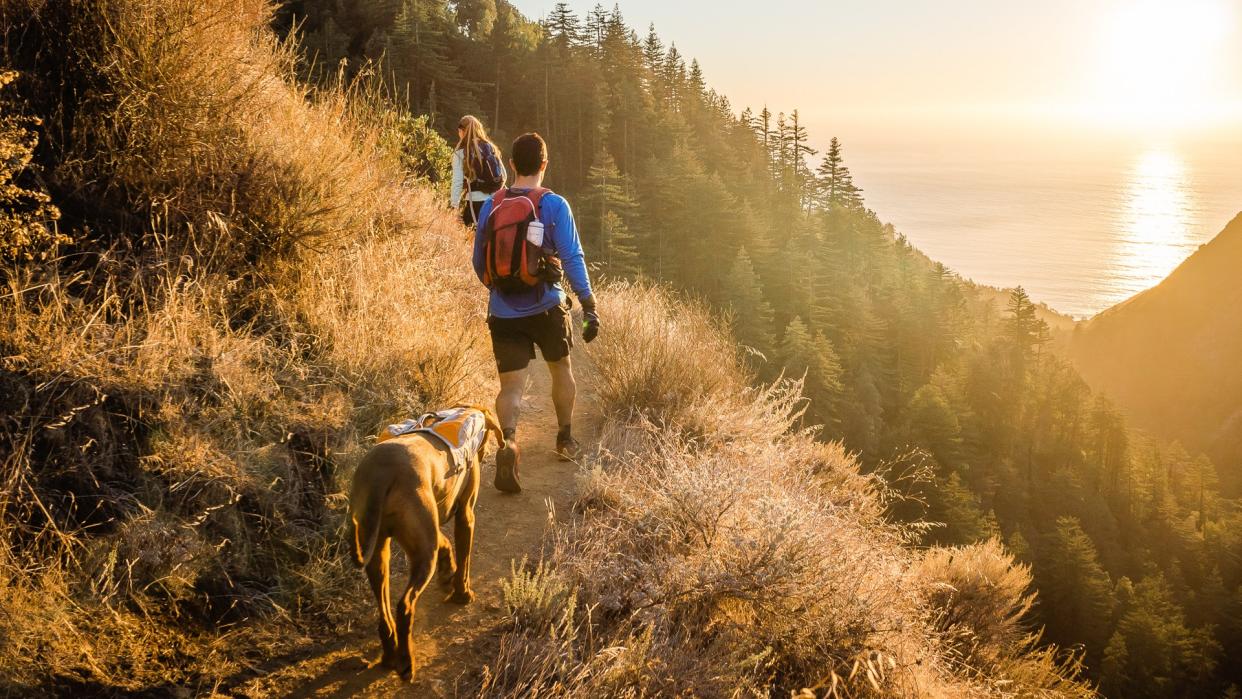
{"x": 564, "y": 392}
{"x": 508, "y": 407}
{"x": 509, "y": 400}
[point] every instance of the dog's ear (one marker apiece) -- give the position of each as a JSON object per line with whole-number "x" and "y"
{"x": 493, "y": 426}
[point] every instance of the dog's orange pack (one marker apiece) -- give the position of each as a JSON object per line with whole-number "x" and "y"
{"x": 462, "y": 429}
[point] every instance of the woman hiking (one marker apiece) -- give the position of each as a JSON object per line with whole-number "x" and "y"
{"x": 478, "y": 171}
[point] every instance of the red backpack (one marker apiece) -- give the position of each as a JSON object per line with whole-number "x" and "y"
{"x": 512, "y": 263}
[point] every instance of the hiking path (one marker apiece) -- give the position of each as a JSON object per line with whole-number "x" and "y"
{"x": 452, "y": 642}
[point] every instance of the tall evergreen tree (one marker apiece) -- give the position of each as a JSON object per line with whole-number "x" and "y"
{"x": 620, "y": 255}
{"x": 835, "y": 183}
{"x": 1074, "y": 589}
{"x": 752, "y": 316}
{"x": 1153, "y": 653}
{"x": 606, "y": 215}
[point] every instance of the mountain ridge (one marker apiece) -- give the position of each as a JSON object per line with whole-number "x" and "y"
{"x": 1168, "y": 354}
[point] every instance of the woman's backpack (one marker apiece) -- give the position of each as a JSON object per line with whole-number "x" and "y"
{"x": 513, "y": 263}
{"x": 488, "y": 174}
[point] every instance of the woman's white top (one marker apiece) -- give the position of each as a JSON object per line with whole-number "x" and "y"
{"x": 459, "y": 180}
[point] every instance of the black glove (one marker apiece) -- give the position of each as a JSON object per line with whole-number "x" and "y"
{"x": 590, "y": 320}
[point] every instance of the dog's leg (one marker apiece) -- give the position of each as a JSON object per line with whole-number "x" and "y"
{"x": 445, "y": 563}
{"x": 377, "y": 575}
{"x": 463, "y": 532}
{"x": 421, "y": 544}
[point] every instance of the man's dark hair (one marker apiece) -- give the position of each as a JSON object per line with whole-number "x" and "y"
{"x": 529, "y": 152}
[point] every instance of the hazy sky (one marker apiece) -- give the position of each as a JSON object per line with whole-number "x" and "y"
{"x": 855, "y": 67}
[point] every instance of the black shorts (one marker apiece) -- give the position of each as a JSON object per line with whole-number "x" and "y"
{"x": 514, "y": 339}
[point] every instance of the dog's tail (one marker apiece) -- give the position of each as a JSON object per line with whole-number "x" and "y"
{"x": 366, "y": 505}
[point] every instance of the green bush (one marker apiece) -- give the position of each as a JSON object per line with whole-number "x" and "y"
{"x": 424, "y": 155}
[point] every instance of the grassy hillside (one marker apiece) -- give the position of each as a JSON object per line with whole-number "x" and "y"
{"x": 217, "y": 282}
{"x": 243, "y": 290}
{"x": 1169, "y": 355}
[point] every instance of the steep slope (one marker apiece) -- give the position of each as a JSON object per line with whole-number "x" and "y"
{"x": 1170, "y": 355}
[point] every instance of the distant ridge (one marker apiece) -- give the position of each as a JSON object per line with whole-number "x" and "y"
{"x": 1172, "y": 355}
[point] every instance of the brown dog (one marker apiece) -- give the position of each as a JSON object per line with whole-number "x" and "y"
{"x": 404, "y": 489}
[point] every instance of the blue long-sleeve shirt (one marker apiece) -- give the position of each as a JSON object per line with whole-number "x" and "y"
{"x": 560, "y": 237}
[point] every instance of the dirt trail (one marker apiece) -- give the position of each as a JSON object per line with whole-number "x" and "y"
{"x": 452, "y": 641}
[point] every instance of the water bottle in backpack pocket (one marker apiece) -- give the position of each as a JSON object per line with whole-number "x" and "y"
{"x": 534, "y": 233}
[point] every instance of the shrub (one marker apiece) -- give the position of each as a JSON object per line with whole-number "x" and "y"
{"x": 424, "y": 155}
{"x": 980, "y": 594}
{"x": 750, "y": 559}
{"x": 27, "y": 217}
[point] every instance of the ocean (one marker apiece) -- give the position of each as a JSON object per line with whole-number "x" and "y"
{"x": 1080, "y": 226}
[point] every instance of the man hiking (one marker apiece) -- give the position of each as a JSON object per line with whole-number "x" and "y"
{"x": 525, "y": 244}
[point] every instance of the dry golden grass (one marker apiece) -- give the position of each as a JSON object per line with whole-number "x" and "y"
{"x": 184, "y": 394}
{"x": 750, "y": 559}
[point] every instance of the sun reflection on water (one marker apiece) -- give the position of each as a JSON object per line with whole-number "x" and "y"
{"x": 1154, "y": 222}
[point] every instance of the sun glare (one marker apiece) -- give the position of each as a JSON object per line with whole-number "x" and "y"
{"x": 1159, "y": 63}
{"x": 1154, "y": 223}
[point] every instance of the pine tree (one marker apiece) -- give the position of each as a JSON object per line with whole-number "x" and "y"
{"x": 596, "y": 29}
{"x": 934, "y": 424}
{"x": 1154, "y": 654}
{"x": 653, "y": 52}
{"x": 418, "y": 51}
{"x": 763, "y": 128}
{"x": 620, "y": 255}
{"x": 952, "y": 504}
{"x": 476, "y": 17}
{"x": 328, "y": 44}
{"x": 605, "y": 215}
{"x": 674, "y": 77}
{"x": 824, "y": 384}
{"x": 564, "y": 27}
{"x": 799, "y": 151}
{"x": 1019, "y": 547}
{"x": 835, "y": 183}
{"x": 505, "y": 44}
{"x": 752, "y": 316}
{"x": 1025, "y": 331}
{"x": 1109, "y": 450}
{"x": 795, "y": 348}
{"x": 1073, "y": 588}
{"x": 695, "y": 83}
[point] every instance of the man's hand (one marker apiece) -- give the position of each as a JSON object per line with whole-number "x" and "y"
{"x": 590, "y": 320}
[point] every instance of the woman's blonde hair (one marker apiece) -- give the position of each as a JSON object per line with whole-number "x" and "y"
{"x": 470, "y": 144}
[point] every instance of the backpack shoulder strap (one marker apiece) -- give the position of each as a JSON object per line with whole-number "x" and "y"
{"x": 536, "y": 197}
{"x": 499, "y": 197}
